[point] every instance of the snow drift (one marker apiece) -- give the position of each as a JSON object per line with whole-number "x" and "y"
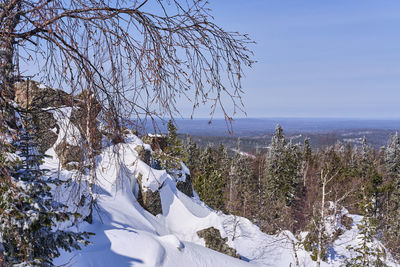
{"x": 128, "y": 235}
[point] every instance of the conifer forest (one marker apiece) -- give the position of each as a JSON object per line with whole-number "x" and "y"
{"x": 97, "y": 170}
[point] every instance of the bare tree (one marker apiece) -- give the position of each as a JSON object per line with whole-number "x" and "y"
{"x": 138, "y": 57}
{"x": 326, "y": 177}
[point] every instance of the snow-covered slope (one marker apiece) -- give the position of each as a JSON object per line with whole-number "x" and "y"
{"x": 127, "y": 235}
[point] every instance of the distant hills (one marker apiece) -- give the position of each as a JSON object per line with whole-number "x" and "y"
{"x": 255, "y": 133}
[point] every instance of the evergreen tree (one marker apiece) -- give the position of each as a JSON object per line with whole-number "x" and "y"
{"x": 173, "y": 154}
{"x": 28, "y": 215}
{"x": 281, "y": 177}
{"x": 283, "y": 167}
{"x": 193, "y": 156}
{"x": 174, "y": 144}
{"x": 392, "y": 158}
{"x": 210, "y": 182}
{"x": 307, "y": 155}
{"x": 370, "y": 177}
{"x": 391, "y": 210}
{"x": 367, "y": 252}
{"x": 241, "y": 187}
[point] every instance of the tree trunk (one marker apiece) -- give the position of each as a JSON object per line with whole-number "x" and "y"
{"x": 9, "y": 24}
{"x": 295, "y": 253}
{"x": 90, "y": 139}
{"x": 321, "y": 223}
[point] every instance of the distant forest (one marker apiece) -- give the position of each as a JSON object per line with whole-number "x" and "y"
{"x": 290, "y": 185}
{"x": 377, "y": 138}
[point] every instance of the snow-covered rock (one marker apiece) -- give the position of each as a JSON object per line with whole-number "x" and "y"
{"x": 128, "y": 235}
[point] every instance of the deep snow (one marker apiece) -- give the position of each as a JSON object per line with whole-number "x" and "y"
{"x": 127, "y": 235}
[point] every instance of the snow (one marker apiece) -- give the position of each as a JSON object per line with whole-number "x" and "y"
{"x": 151, "y": 178}
{"x": 42, "y": 86}
{"x": 127, "y": 235}
{"x": 69, "y": 133}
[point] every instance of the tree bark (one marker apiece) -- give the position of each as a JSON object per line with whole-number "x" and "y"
{"x": 11, "y": 18}
{"x": 321, "y": 223}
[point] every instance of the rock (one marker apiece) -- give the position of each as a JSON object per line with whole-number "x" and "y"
{"x": 157, "y": 142}
{"x": 70, "y": 156}
{"x": 144, "y": 154}
{"x": 36, "y": 97}
{"x": 186, "y": 187}
{"x": 44, "y": 124}
{"x": 149, "y": 200}
{"x": 214, "y": 241}
{"x": 80, "y": 114}
{"x": 39, "y": 97}
{"x": 347, "y": 222}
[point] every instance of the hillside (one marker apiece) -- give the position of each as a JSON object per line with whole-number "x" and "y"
{"x": 126, "y": 234}
{"x": 143, "y": 215}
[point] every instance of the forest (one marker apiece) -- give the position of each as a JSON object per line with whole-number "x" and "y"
{"x": 293, "y": 187}
{"x": 81, "y": 185}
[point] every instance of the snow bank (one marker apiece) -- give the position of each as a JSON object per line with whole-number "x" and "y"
{"x": 127, "y": 235}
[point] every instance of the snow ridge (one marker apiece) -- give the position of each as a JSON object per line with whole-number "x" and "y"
{"x": 127, "y": 235}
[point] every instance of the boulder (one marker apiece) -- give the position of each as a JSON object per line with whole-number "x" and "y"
{"x": 36, "y": 96}
{"x": 70, "y": 156}
{"x": 149, "y": 200}
{"x": 46, "y": 130}
{"x": 214, "y": 241}
{"x": 144, "y": 154}
{"x": 157, "y": 142}
{"x": 80, "y": 114}
{"x": 186, "y": 187}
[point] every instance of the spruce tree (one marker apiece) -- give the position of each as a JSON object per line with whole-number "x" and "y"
{"x": 193, "y": 155}
{"x": 173, "y": 154}
{"x": 283, "y": 167}
{"x": 241, "y": 184}
{"x": 281, "y": 179}
{"x": 367, "y": 252}
{"x": 210, "y": 182}
{"x": 29, "y": 216}
{"x": 174, "y": 149}
{"x": 370, "y": 176}
{"x": 392, "y": 158}
{"x": 391, "y": 210}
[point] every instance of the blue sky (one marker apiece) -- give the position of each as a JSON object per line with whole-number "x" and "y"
{"x": 336, "y": 58}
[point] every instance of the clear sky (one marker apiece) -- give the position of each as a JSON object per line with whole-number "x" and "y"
{"x": 319, "y": 58}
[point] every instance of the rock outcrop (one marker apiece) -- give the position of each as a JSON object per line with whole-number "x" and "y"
{"x": 70, "y": 156}
{"x": 36, "y": 98}
{"x": 144, "y": 154}
{"x": 149, "y": 200}
{"x": 186, "y": 187}
{"x": 46, "y": 130}
{"x": 80, "y": 115}
{"x": 157, "y": 142}
{"x": 214, "y": 241}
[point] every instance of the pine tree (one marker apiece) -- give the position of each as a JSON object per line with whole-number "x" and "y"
{"x": 193, "y": 155}
{"x": 391, "y": 210}
{"x": 392, "y": 158}
{"x": 370, "y": 177}
{"x": 367, "y": 252}
{"x": 241, "y": 187}
{"x": 281, "y": 179}
{"x": 174, "y": 145}
{"x": 173, "y": 154}
{"x": 283, "y": 167}
{"x": 210, "y": 182}
{"x": 28, "y": 214}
